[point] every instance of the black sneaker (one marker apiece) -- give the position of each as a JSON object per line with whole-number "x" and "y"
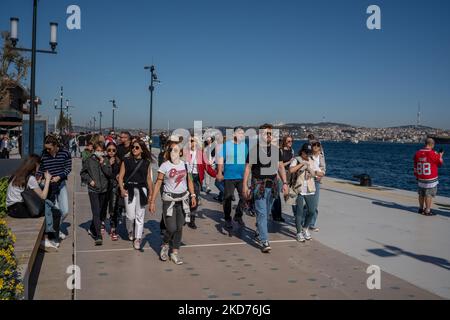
{"x": 192, "y": 225}
{"x": 98, "y": 241}
{"x": 420, "y": 211}
{"x": 266, "y": 247}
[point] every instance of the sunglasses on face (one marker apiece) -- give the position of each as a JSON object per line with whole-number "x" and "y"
{"x": 289, "y": 141}
{"x": 136, "y": 148}
{"x": 111, "y": 150}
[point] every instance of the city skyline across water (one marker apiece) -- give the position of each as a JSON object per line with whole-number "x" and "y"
{"x": 244, "y": 61}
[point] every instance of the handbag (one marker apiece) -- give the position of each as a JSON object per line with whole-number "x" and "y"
{"x": 34, "y": 203}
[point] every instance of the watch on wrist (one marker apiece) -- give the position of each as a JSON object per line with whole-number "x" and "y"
{"x": 193, "y": 195}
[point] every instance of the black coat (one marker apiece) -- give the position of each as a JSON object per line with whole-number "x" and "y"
{"x": 92, "y": 170}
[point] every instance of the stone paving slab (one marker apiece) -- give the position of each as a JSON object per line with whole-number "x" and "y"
{"x": 381, "y": 226}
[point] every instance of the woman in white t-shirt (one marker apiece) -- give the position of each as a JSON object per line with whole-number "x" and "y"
{"x": 175, "y": 200}
{"x": 16, "y": 208}
{"x": 303, "y": 169}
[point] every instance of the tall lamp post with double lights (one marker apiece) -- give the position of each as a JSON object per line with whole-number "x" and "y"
{"x": 154, "y": 79}
{"x": 114, "y": 107}
{"x": 14, "y": 38}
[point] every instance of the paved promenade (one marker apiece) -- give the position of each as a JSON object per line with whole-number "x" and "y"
{"x": 358, "y": 227}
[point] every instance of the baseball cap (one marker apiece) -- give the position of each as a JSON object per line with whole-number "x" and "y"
{"x": 306, "y": 147}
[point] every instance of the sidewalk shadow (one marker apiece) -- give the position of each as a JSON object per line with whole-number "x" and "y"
{"x": 85, "y": 225}
{"x": 392, "y": 251}
{"x": 153, "y": 238}
{"x": 64, "y": 227}
{"x": 244, "y": 233}
{"x": 393, "y": 205}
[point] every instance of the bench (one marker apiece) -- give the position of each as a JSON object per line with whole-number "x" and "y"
{"x": 29, "y": 233}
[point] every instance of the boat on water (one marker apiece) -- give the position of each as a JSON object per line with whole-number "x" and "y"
{"x": 441, "y": 139}
{"x": 354, "y": 140}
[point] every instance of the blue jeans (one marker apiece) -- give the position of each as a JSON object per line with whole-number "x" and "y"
{"x": 49, "y": 206}
{"x": 303, "y": 217}
{"x": 62, "y": 200}
{"x": 221, "y": 186}
{"x": 263, "y": 207}
{"x": 312, "y": 224}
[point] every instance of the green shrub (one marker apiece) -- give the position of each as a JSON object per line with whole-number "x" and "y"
{"x": 11, "y": 287}
{"x": 3, "y": 188}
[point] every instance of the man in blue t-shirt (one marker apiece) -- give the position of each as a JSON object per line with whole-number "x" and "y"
{"x": 231, "y": 161}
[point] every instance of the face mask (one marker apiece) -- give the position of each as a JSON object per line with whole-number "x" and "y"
{"x": 175, "y": 156}
{"x": 98, "y": 154}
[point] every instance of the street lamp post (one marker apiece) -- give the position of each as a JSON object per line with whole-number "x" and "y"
{"x": 153, "y": 79}
{"x": 114, "y": 107}
{"x": 100, "y": 121}
{"x": 94, "y": 122}
{"x": 53, "y": 43}
{"x": 69, "y": 121}
{"x": 60, "y": 110}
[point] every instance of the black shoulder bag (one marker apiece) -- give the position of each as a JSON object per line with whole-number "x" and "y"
{"x": 34, "y": 203}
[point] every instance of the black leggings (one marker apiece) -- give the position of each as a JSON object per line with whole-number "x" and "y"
{"x": 230, "y": 186}
{"x": 98, "y": 205}
{"x": 174, "y": 224}
{"x": 112, "y": 207}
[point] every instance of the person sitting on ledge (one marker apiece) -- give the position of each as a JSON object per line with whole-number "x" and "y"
{"x": 23, "y": 178}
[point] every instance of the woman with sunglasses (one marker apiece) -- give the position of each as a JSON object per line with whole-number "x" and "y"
{"x": 113, "y": 189}
{"x": 136, "y": 185}
{"x": 320, "y": 167}
{"x": 175, "y": 175}
{"x": 287, "y": 155}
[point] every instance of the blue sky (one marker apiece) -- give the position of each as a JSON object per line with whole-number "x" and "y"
{"x": 245, "y": 61}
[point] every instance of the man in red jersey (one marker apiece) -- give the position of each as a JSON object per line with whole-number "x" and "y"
{"x": 426, "y": 163}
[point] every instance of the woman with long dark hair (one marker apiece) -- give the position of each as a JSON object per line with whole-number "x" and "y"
{"x": 175, "y": 175}
{"x": 25, "y": 177}
{"x": 136, "y": 185}
{"x": 113, "y": 189}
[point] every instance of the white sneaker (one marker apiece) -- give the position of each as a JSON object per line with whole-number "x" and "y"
{"x": 176, "y": 258}
{"x": 62, "y": 236}
{"x": 307, "y": 234}
{"x": 137, "y": 244}
{"x": 300, "y": 237}
{"x": 49, "y": 245}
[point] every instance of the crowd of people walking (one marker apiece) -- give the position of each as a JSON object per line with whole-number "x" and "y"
{"x": 117, "y": 171}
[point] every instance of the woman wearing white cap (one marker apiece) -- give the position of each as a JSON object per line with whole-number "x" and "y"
{"x": 175, "y": 198}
